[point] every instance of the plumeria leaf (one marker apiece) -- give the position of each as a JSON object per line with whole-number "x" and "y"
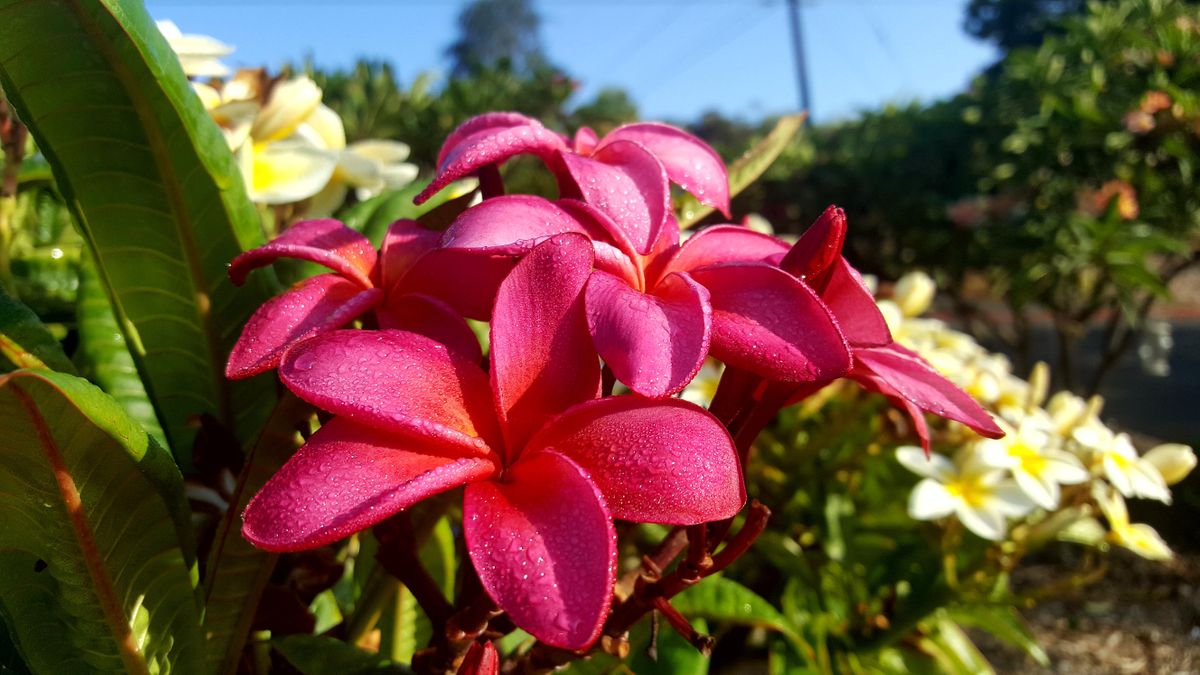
{"x": 747, "y": 169}
{"x": 1004, "y": 622}
{"x": 156, "y": 194}
{"x": 96, "y": 546}
{"x": 320, "y": 655}
{"x": 25, "y": 342}
{"x": 720, "y": 599}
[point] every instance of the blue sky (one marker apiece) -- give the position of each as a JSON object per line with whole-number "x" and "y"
{"x": 677, "y": 58}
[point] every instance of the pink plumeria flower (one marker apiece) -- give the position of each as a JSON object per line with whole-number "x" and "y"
{"x": 880, "y": 364}
{"x": 655, "y": 317}
{"x": 626, "y": 174}
{"x": 405, "y": 286}
{"x": 481, "y": 659}
{"x": 547, "y": 466}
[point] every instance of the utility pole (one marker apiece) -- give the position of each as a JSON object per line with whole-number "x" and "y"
{"x": 798, "y": 53}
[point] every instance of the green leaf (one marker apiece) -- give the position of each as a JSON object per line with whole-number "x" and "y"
{"x": 90, "y": 551}
{"x": 103, "y": 357}
{"x": 1005, "y": 623}
{"x": 236, "y": 573}
{"x": 156, "y": 194}
{"x": 25, "y": 342}
{"x": 953, "y": 651}
{"x": 316, "y": 655}
{"x": 675, "y": 655}
{"x": 747, "y": 168}
{"x": 722, "y": 599}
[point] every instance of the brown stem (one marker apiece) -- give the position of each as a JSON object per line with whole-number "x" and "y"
{"x": 703, "y": 643}
{"x": 398, "y": 555}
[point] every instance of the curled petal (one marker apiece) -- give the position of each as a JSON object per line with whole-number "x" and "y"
{"x": 403, "y": 245}
{"x": 854, "y": 307}
{"x": 544, "y": 546}
{"x": 818, "y": 248}
{"x": 395, "y": 380}
{"x": 326, "y": 242}
{"x": 726, "y": 244}
{"x": 488, "y": 146}
{"x": 542, "y": 357}
{"x": 664, "y": 461}
{"x": 348, "y": 477}
{"x": 768, "y": 322}
{"x": 917, "y": 382}
{"x": 481, "y": 659}
{"x": 432, "y": 318}
{"x": 488, "y": 122}
{"x": 689, "y": 161}
{"x": 321, "y": 303}
{"x": 628, "y": 184}
{"x": 654, "y": 342}
{"x": 510, "y": 225}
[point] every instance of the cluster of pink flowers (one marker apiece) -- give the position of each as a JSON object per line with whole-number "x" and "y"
{"x": 600, "y": 275}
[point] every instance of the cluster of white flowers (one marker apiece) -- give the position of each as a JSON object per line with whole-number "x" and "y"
{"x": 1049, "y": 443}
{"x": 290, "y": 146}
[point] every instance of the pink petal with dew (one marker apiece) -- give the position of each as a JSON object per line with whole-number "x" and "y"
{"x": 488, "y": 122}
{"x": 395, "y": 380}
{"x": 872, "y": 382}
{"x": 509, "y": 225}
{"x": 725, "y": 244}
{"x": 629, "y": 185}
{"x": 348, "y": 477}
{"x": 404, "y": 244}
{"x": 599, "y": 225}
{"x": 542, "y": 357}
{"x": 321, "y": 303}
{"x": 818, "y": 248}
{"x": 768, "y": 322}
{"x": 664, "y": 461}
{"x": 854, "y": 307}
{"x": 432, "y": 318}
{"x": 489, "y": 147}
{"x": 917, "y": 382}
{"x": 656, "y": 342}
{"x": 326, "y": 242}
{"x": 465, "y": 280}
{"x": 585, "y": 141}
{"x": 690, "y": 162}
{"x": 481, "y": 659}
{"x": 545, "y": 549}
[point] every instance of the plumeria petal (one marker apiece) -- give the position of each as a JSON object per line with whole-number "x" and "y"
{"x": 290, "y": 103}
{"x": 491, "y": 122}
{"x": 1009, "y": 499}
{"x": 626, "y": 182}
{"x": 394, "y": 380}
{"x": 689, "y": 161}
{"x": 852, "y": 303}
{"x": 326, "y": 242}
{"x": 405, "y": 242}
{"x": 481, "y": 145}
{"x": 654, "y": 461}
{"x": 818, "y": 248}
{"x": 929, "y": 465}
{"x": 930, "y": 500}
{"x": 544, "y": 546}
{"x": 918, "y": 382}
{"x": 285, "y": 171}
{"x": 432, "y": 318}
{"x": 768, "y": 322}
{"x": 348, "y": 477}
{"x": 726, "y": 244}
{"x": 542, "y": 357}
{"x": 481, "y": 659}
{"x": 465, "y": 280}
{"x": 314, "y": 305}
{"x": 1043, "y": 492}
{"x": 654, "y": 343}
{"x": 985, "y": 522}
{"x": 510, "y": 225}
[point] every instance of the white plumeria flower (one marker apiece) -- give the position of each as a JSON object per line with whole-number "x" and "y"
{"x": 1037, "y": 466}
{"x": 703, "y": 387}
{"x": 1114, "y": 456}
{"x": 370, "y": 166}
{"x": 914, "y": 293}
{"x": 200, "y": 55}
{"x": 1137, "y": 537}
{"x": 980, "y": 496}
{"x": 1173, "y": 460}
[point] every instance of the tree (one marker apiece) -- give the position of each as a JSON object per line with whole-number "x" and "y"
{"x": 1017, "y": 23}
{"x": 497, "y": 32}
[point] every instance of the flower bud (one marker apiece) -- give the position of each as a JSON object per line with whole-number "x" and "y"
{"x": 914, "y": 293}
{"x": 1173, "y": 460}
